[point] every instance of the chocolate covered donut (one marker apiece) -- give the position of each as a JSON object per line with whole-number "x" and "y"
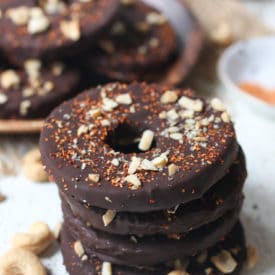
{"x": 147, "y": 175}
{"x": 222, "y": 197}
{"x": 90, "y": 146}
{"x": 233, "y": 245}
{"x": 33, "y": 91}
{"x": 47, "y": 29}
{"x": 138, "y": 42}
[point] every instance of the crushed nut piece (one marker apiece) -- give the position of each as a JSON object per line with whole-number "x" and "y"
{"x": 134, "y": 164}
{"x": 191, "y": 104}
{"x": 124, "y": 99}
{"x": 108, "y": 217}
{"x": 33, "y": 67}
{"x": 94, "y": 113}
{"x": 57, "y": 68}
{"x": 71, "y": 29}
{"x": 148, "y": 165}
{"x": 134, "y": 181}
{"x": 38, "y": 22}
{"x": 172, "y": 169}
{"x": 178, "y": 272}
{"x": 19, "y": 16}
{"x": 9, "y": 79}
{"x": 146, "y": 140}
{"x": 78, "y": 249}
{"x": 172, "y": 115}
{"x": 109, "y": 104}
{"x": 225, "y": 117}
{"x": 160, "y": 161}
{"x": 106, "y": 268}
{"x": 155, "y": 18}
{"x": 208, "y": 270}
{"x": 24, "y": 107}
{"x": 218, "y": 105}
{"x": 169, "y": 97}
{"x": 252, "y": 256}
{"x": 83, "y": 129}
{"x": 224, "y": 262}
{"x": 177, "y": 136}
{"x": 94, "y": 177}
{"x": 115, "y": 162}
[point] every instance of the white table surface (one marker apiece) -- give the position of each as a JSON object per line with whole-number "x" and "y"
{"x": 29, "y": 202}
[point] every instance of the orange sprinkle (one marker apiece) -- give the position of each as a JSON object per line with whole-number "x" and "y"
{"x": 265, "y": 94}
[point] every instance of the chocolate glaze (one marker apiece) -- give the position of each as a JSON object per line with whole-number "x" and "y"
{"x": 149, "y": 250}
{"x": 223, "y": 196}
{"x": 132, "y": 56}
{"x": 92, "y": 266}
{"x": 18, "y": 44}
{"x": 64, "y": 87}
{"x": 201, "y": 165}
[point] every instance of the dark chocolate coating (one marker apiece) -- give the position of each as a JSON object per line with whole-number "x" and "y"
{"x": 223, "y": 196}
{"x": 149, "y": 250}
{"x": 18, "y": 44}
{"x": 201, "y": 165}
{"x": 132, "y": 56}
{"x": 64, "y": 87}
{"x": 92, "y": 266}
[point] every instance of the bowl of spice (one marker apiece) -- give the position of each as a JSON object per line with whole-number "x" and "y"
{"x": 247, "y": 69}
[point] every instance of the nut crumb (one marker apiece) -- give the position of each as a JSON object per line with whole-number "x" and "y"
{"x": 169, "y": 97}
{"x": 106, "y": 268}
{"x": 218, "y": 105}
{"x": 134, "y": 164}
{"x": 78, "y": 249}
{"x": 124, "y": 99}
{"x": 9, "y": 79}
{"x": 108, "y": 217}
{"x": 134, "y": 181}
{"x": 191, "y": 104}
{"x": 224, "y": 262}
{"x": 71, "y": 29}
{"x": 172, "y": 169}
{"x": 94, "y": 177}
{"x": 146, "y": 140}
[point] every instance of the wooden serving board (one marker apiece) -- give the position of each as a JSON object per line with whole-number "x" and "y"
{"x": 13, "y": 126}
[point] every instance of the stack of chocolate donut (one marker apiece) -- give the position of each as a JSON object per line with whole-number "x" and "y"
{"x": 50, "y": 49}
{"x": 150, "y": 179}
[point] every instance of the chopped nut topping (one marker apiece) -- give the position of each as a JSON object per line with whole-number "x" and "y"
{"x": 186, "y": 114}
{"x": 172, "y": 169}
{"x": 71, "y": 29}
{"x": 38, "y": 22}
{"x": 148, "y": 165}
{"x": 24, "y": 107}
{"x": 134, "y": 165}
{"x": 154, "y": 42}
{"x": 83, "y": 129}
{"x": 33, "y": 67}
{"x": 124, "y": 99}
{"x": 78, "y": 249}
{"x": 106, "y": 268}
{"x": 54, "y": 6}
{"x": 177, "y": 136}
{"x": 224, "y": 262}
{"x": 134, "y": 181}
{"x": 9, "y": 79}
{"x": 48, "y": 86}
{"x": 160, "y": 161}
{"x": 169, "y": 97}
{"x": 225, "y": 117}
{"x": 172, "y": 115}
{"x": 94, "y": 113}
{"x": 94, "y": 177}
{"x": 109, "y": 104}
{"x": 57, "y": 69}
{"x": 115, "y": 162}
{"x": 108, "y": 217}
{"x": 105, "y": 122}
{"x": 155, "y": 18}
{"x": 146, "y": 140}
{"x": 191, "y": 104}
{"x": 163, "y": 115}
{"x": 252, "y": 256}
{"x": 19, "y": 16}
{"x": 107, "y": 46}
{"x": 3, "y": 98}
{"x": 218, "y": 105}
{"x": 84, "y": 258}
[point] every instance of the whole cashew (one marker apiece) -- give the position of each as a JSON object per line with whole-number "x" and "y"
{"x": 33, "y": 168}
{"x": 36, "y": 241}
{"x": 20, "y": 261}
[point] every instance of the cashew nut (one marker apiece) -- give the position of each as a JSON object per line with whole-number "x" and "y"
{"x": 20, "y": 261}
{"x": 36, "y": 241}
{"x": 33, "y": 168}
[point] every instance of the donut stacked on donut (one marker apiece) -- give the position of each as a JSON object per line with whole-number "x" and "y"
{"x": 36, "y": 39}
{"x": 150, "y": 179}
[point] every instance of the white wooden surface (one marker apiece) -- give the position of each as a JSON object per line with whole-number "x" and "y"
{"x": 29, "y": 202}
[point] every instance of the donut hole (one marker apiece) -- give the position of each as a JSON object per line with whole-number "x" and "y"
{"x": 125, "y": 139}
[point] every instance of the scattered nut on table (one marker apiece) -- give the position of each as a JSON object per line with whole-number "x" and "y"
{"x": 33, "y": 168}
{"x": 21, "y": 261}
{"x": 36, "y": 241}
